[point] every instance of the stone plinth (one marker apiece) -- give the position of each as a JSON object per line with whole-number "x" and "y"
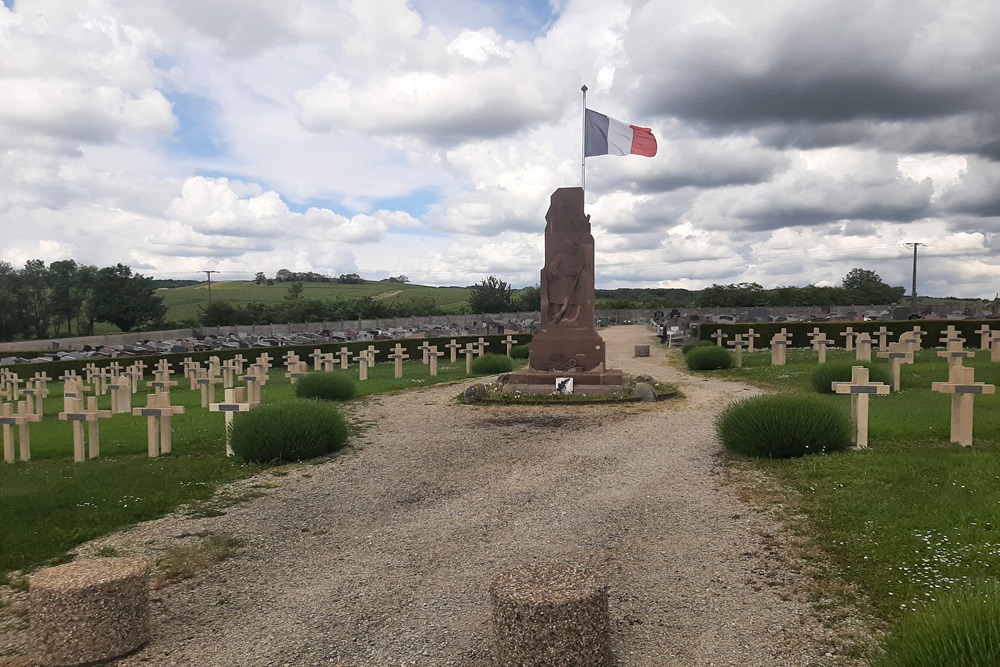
{"x": 552, "y": 614}
{"x": 88, "y": 611}
{"x": 641, "y": 350}
{"x": 542, "y": 382}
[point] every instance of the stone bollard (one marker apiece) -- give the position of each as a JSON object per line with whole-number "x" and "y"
{"x": 88, "y": 611}
{"x": 642, "y": 350}
{"x": 551, "y": 615}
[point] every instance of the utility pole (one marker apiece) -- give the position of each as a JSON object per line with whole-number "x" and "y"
{"x": 209, "y": 274}
{"x": 913, "y": 293}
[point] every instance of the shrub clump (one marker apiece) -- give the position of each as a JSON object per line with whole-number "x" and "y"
{"x": 825, "y": 374}
{"x": 708, "y": 358}
{"x": 519, "y": 352}
{"x": 687, "y": 347}
{"x": 292, "y": 431}
{"x": 962, "y": 628}
{"x": 489, "y": 364}
{"x": 783, "y": 426}
{"x": 325, "y": 387}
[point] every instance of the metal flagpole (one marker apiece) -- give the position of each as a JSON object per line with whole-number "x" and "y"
{"x": 583, "y": 146}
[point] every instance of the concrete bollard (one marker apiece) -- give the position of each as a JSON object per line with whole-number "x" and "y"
{"x": 88, "y": 611}
{"x": 551, "y": 615}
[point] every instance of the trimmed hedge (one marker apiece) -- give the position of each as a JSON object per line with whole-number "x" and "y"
{"x": 489, "y": 364}
{"x": 840, "y": 371}
{"x": 783, "y": 426}
{"x": 325, "y": 387}
{"x": 520, "y": 352}
{"x": 292, "y": 431}
{"x": 708, "y": 358}
{"x": 962, "y": 628}
{"x": 933, "y": 330}
{"x": 687, "y": 347}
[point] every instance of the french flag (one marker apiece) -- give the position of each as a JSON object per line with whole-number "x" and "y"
{"x": 606, "y": 136}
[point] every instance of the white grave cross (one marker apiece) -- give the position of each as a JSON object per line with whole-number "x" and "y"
{"x": 860, "y": 389}
{"x": 963, "y": 389}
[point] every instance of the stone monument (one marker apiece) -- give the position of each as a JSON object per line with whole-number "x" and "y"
{"x": 567, "y": 342}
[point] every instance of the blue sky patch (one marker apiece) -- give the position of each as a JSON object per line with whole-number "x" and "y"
{"x": 197, "y": 133}
{"x": 9, "y": 4}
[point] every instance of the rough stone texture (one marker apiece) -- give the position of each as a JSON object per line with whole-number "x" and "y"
{"x": 89, "y": 610}
{"x": 641, "y": 351}
{"x": 566, "y": 340}
{"x": 550, "y": 615}
{"x": 645, "y": 392}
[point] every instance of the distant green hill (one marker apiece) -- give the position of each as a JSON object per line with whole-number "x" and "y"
{"x": 184, "y": 303}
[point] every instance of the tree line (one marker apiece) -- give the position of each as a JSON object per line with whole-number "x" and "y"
{"x": 67, "y": 298}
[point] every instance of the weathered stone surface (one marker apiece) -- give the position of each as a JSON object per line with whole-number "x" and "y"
{"x": 641, "y": 350}
{"x": 645, "y": 392}
{"x": 552, "y": 615}
{"x": 566, "y": 340}
{"x": 89, "y": 611}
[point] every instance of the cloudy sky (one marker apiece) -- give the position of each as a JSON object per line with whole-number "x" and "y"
{"x": 797, "y": 139}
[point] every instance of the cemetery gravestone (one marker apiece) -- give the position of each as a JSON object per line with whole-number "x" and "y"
{"x": 863, "y": 350}
{"x": 296, "y": 371}
{"x": 91, "y": 416}
{"x": 121, "y": 395}
{"x": 434, "y": 354}
{"x": 509, "y": 342}
{"x": 820, "y": 343}
{"x": 985, "y": 336}
{"x": 860, "y": 389}
{"x": 954, "y": 352}
{"x": 362, "y": 360}
{"x": 9, "y": 419}
{"x": 424, "y": 350}
{"x": 398, "y": 356}
{"x": 158, "y": 412}
{"x": 883, "y": 336}
{"x": 898, "y": 353}
{"x": 345, "y": 356}
{"x": 738, "y": 344}
{"x": 453, "y": 347}
{"x": 963, "y": 388}
{"x": 720, "y": 338}
{"x": 778, "y": 348}
{"x": 848, "y": 335}
{"x": 469, "y": 351}
{"x": 750, "y": 336}
{"x": 236, "y": 401}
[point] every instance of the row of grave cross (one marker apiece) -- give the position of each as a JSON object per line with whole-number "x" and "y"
{"x": 122, "y": 382}
{"x": 961, "y": 384}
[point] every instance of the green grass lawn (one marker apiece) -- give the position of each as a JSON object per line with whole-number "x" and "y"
{"x": 912, "y": 516}
{"x": 184, "y": 303}
{"x": 50, "y": 504}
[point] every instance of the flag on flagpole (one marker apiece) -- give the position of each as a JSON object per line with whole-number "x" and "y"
{"x": 604, "y": 135}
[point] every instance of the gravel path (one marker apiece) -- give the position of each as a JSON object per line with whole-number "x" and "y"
{"x": 382, "y": 556}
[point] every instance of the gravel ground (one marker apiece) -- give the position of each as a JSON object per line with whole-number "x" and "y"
{"x": 383, "y": 555}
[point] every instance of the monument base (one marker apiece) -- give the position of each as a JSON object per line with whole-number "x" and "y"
{"x": 544, "y": 382}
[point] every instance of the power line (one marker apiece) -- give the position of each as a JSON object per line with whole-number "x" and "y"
{"x": 913, "y": 293}
{"x": 209, "y": 274}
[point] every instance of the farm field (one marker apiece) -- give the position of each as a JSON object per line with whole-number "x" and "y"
{"x": 185, "y": 303}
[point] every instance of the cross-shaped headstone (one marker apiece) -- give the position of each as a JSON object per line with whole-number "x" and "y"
{"x": 750, "y": 336}
{"x": 863, "y": 346}
{"x": 720, "y": 338}
{"x": 509, "y": 342}
{"x": 290, "y": 358}
{"x": 398, "y": 355}
{"x": 820, "y": 343}
{"x": 779, "y": 345}
{"x": 454, "y": 347}
{"x": 883, "y": 336}
{"x": 140, "y": 367}
{"x": 35, "y": 396}
{"x": 91, "y": 416}
{"x": 214, "y": 365}
{"x": 161, "y": 382}
{"x": 240, "y": 363}
{"x": 206, "y": 384}
{"x": 371, "y": 351}
{"x": 919, "y": 334}
{"x": 738, "y": 344}
{"x": 296, "y": 371}
{"x": 951, "y": 335}
{"x": 190, "y": 371}
{"x": 481, "y": 346}
{"x": 362, "y": 360}
{"x": 425, "y": 349}
{"x": 898, "y": 353}
{"x": 101, "y": 377}
{"x": 264, "y": 359}
{"x": 228, "y": 373}
{"x": 345, "y": 357}
{"x": 912, "y": 340}
{"x": 9, "y": 419}
{"x": 115, "y": 369}
{"x": 121, "y": 395}
{"x": 88, "y": 371}
{"x": 848, "y": 335}
{"x": 10, "y": 388}
{"x": 860, "y": 389}
{"x": 317, "y": 357}
{"x": 236, "y": 401}
{"x": 158, "y": 412}
{"x": 327, "y": 362}
{"x": 985, "y": 335}
{"x": 995, "y": 346}
{"x": 954, "y": 353}
{"x": 256, "y": 378}
{"x": 42, "y": 379}
{"x": 469, "y": 351}
{"x": 963, "y": 388}
{"x": 433, "y": 356}
{"x": 788, "y": 336}
{"x": 134, "y": 373}
{"x": 163, "y": 367}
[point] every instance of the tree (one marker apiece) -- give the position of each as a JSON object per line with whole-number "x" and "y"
{"x": 294, "y": 292}
{"x": 283, "y": 275}
{"x": 128, "y": 301}
{"x": 350, "y": 279}
{"x": 35, "y": 292}
{"x": 260, "y": 278}
{"x": 491, "y": 295}
{"x": 11, "y": 322}
{"x": 865, "y": 287}
{"x": 527, "y": 300}
{"x": 66, "y": 299}
{"x": 220, "y": 314}
{"x": 399, "y": 279}
{"x": 737, "y": 295}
